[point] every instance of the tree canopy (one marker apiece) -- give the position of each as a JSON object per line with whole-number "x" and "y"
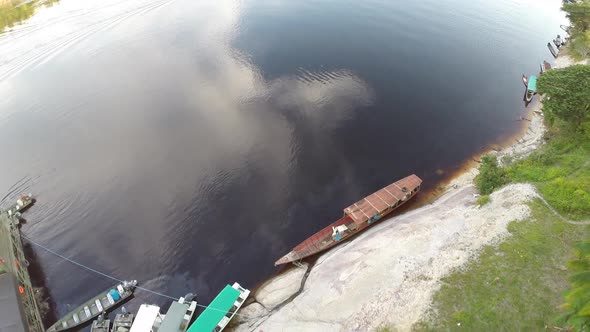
{"x": 578, "y": 14}
{"x": 577, "y": 299}
{"x": 567, "y": 94}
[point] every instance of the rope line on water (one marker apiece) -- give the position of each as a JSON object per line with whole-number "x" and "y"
{"x": 116, "y": 279}
{"x": 91, "y": 269}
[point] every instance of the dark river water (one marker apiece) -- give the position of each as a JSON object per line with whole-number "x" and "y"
{"x": 189, "y": 144}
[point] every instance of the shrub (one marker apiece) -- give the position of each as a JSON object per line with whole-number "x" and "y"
{"x": 491, "y": 176}
{"x": 577, "y": 305}
{"x": 482, "y": 200}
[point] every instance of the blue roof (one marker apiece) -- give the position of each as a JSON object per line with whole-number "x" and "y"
{"x": 532, "y": 83}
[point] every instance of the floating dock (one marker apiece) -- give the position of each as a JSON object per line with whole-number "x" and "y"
{"x": 18, "y": 308}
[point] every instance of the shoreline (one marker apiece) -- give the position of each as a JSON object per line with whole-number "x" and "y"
{"x": 389, "y": 273}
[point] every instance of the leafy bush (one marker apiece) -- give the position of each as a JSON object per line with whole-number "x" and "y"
{"x": 567, "y": 94}
{"x": 491, "y": 176}
{"x": 482, "y": 200}
{"x": 577, "y": 305}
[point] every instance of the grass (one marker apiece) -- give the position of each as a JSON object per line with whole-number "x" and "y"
{"x": 482, "y": 200}
{"x": 516, "y": 286}
{"x": 519, "y": 285}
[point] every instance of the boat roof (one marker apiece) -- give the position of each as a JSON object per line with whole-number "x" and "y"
{"x": 174, "y": 318}
{"x": 532, "y": 85}
{"x": 381, "y": 200}
{"x": 215, "y": 312}
{"x": 146, "y": 316}
{"x": 11, "y": 310}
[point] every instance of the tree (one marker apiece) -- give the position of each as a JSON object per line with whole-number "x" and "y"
{"x": 491, "y": 176}
{"x": 577, "y": 298}
{"x": 581, "y": 44}
{"x": 567, "y": 93}
{"x": 578, "y": 14}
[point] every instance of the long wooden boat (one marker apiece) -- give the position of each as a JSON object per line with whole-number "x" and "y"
{"x": 357, "y": 218}
{"x": 103, "y": 302}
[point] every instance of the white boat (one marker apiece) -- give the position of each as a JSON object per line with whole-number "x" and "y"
{"x": 177, "y": 319}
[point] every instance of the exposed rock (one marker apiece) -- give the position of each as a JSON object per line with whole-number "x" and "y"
{"x": 280, "y": 288}
{"x": 387, "y": 275}
{"x": 249, "y": 313}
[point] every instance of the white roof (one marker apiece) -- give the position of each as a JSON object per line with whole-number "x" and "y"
{"x": 145, "y": 318}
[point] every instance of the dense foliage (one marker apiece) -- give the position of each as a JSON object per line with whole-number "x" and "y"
{"x": 491, "y": 176}
{"x": 16, "y": 12}
{"x": 567, "y": 94}
{"x": 577, "y": 298}
{"x": 579, "y": 16}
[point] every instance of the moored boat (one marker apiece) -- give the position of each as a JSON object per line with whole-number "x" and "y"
{"x": 23, "y": 203}
{"x": 357, "y": 218}
{"x": 103, "y": 302}
{"x": 177, "y": 319}
{"x": 179, "y": 315}
{"x": 531, "y": 87}
{"x": 123, "y": 322}
{"x": 545, "y": 66}
{"x": 554, "y": 52}
{"x": 221, "y": 310}
{"x": 101, "y": 324}
{"x": 147, "y": 316}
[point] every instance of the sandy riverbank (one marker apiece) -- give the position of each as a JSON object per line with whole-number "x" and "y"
{"x": 387, "y": 275}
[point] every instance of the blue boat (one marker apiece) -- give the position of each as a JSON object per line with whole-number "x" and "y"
{"x": 531, "y": 87}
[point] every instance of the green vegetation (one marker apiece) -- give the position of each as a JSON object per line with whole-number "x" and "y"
{"x": 482, "y": 200}
{"x": 384, "y": 329}
{"x": 579, "y": 16}
{"x": 567, "y": 95}
{"x": 577, "y": 304}
{"x": 491, "y": 176}
{"x": 519, "y": 285}
{"x": 14, "y": 12}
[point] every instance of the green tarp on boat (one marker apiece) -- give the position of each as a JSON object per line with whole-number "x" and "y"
{"x": 222, "y": 303}
{"x": 532, "y": 85}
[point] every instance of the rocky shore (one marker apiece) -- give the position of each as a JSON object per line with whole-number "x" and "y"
{"x": 388, "y": 275}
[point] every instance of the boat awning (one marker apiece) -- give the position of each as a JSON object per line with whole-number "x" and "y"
{"x": 532, "y": 85}
{"x": 174, "y": 318}
{"x": 12, "y": 318}
{"x": 382, "y": 200}
{"x": 146, "y": 316}
{"x": 215, "y": 312}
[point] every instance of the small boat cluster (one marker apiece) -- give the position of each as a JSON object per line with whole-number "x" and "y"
{"x": 530, "y": 82}
{"x": 178, "y": 318}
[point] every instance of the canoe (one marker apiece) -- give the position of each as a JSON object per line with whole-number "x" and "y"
{"x": 101, "y": 303}
{"x": 357, "y": 218}
{"x": 552, "y": 50}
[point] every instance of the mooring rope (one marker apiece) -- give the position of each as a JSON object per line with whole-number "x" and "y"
{"x": 117, "y": 279}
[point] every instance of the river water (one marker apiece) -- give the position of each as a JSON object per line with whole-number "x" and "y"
{"x": 189, "y": 144}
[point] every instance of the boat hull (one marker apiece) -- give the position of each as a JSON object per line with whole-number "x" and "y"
{"x": 91, "y": 309}
{"x": 324, "y": 239}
